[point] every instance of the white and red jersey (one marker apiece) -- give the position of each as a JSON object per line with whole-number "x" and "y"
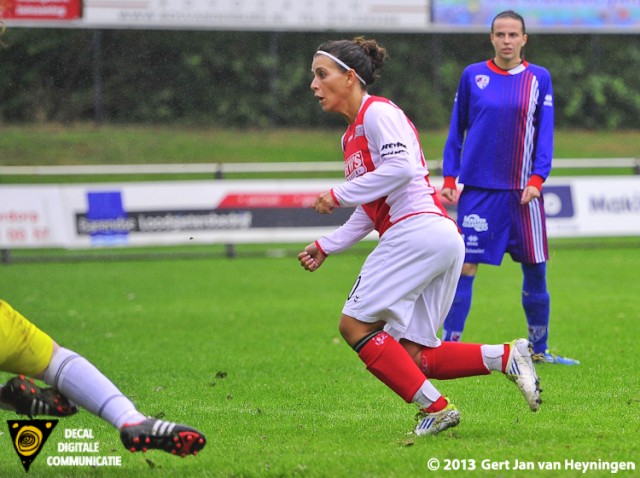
{"x": 387, "y": 175}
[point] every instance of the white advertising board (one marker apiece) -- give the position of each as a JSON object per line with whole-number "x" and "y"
{"x": 162, "y": 213}
{"x": 597, "y": 206}
{"x": 276, "y": 15}
{"x": 33, "y": 216}
{"x": 260, "y": 211}
{"x": 363, "y": 16}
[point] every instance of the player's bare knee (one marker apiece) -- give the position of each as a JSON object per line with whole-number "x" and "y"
{"x": 469, "y": 269}
{"x": 413, "y": 349}
{"x": 353, "y": 330}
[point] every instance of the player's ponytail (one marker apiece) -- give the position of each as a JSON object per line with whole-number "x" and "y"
{"x": 364, "y": 56}
{"x": 377, "y": 55}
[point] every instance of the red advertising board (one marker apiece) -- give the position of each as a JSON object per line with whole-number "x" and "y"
{"x": 41, "y": 9}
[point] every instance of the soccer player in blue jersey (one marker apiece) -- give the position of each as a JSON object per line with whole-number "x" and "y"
{"x": 500, "y": 147}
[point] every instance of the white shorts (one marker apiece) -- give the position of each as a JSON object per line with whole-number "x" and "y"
{"x": 410, "y": 278}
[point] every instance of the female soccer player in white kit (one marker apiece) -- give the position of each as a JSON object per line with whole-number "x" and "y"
{"x": 406, "y": 285}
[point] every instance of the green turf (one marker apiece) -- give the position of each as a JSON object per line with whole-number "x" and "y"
{"x": 51, "y": 144}
{"x": 85, "y": 144}
{"x": 247, "y": 350}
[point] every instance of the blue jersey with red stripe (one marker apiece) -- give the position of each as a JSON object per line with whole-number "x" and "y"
{"x": 501, "y": 130}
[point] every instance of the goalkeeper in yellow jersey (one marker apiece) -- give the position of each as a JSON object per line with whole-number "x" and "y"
{"x": 75, "y": 382}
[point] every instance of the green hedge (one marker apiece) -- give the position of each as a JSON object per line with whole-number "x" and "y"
{"x": 258, "y": 79}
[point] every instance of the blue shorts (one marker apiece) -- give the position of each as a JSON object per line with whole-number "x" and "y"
{"x": 493, "y": 222}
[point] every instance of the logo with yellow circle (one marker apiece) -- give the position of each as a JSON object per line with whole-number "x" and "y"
{"x": 28, "y": 437}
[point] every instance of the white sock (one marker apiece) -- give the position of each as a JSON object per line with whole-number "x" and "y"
{"x": 82, "y": 383}
{"x": 492, "y": 356}
{"x": 426, "y": 395}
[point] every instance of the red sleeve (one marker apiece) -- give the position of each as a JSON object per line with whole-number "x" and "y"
{"x": 536, "y": 181}
{"x": 449, "y": 182}
{"x": 335, "y": 198}
{"x": 321, "y": 249}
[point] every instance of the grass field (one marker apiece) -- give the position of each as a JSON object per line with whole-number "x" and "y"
{"x": 86, "y": 144}
{"x": 46, "y": 144}
{"x": 247, "y": 350}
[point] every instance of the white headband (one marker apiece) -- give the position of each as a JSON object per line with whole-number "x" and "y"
{"x": 342, "y": 64}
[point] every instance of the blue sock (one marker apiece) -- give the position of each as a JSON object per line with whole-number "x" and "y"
{"x": 536, "y": 304}
{"x": 457, "y": 316}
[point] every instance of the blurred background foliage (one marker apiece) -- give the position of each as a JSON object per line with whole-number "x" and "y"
{"x": 261, "y": 79}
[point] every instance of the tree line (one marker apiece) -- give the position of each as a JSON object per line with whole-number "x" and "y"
{"x": 261, "y": 79}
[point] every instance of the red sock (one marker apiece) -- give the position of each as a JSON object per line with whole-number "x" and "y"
{"x": 453, "y": 360}
{"x": 438, "y": 405}
{"x": 392, "y": 365}
{"x": 505, "y": 357}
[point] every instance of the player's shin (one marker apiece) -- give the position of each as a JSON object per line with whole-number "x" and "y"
{"x": 85, "y": 385}
{"x": 536, "y": 303}
{"x": 457, "y": 316}
{"x": 388, "y": 361}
